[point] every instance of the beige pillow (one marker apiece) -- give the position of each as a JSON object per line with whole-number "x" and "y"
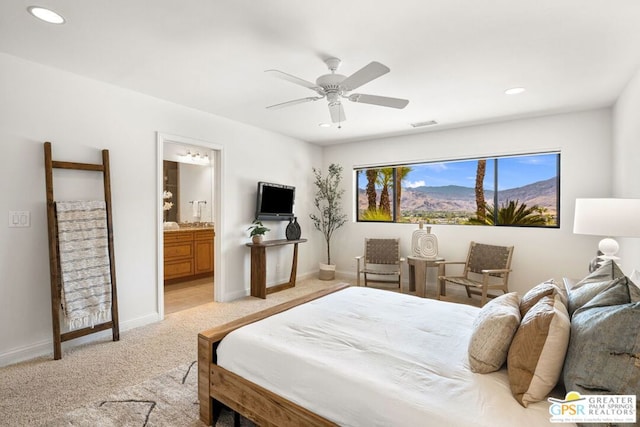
{"x": 535, "y": 294}
{"x": 536, "y": 355}
{"x": 493, "y": 330}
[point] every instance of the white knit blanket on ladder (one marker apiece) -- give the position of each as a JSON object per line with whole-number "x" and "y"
{"x": 84, "y": 262}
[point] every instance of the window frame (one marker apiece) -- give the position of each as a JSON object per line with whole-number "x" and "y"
{"x": 496, "y": 192}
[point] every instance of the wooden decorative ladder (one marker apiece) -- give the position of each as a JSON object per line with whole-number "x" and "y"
{"x": 54, "y": 254}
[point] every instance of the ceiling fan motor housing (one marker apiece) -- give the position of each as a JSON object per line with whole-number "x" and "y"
{"x": 330, "y": 82}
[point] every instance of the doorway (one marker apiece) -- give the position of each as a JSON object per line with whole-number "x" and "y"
{"x": 189, "y": 220}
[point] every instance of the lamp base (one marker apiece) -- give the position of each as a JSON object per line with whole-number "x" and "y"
{"x": 609, "y": 248}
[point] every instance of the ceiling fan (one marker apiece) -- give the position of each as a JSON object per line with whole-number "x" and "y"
{"x": 336, "y": 87}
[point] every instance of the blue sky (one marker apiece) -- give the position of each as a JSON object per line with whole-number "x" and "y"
{"x": 513, "y": 172}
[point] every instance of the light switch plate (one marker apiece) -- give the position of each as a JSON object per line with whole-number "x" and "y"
{"x": 19, "y": 219}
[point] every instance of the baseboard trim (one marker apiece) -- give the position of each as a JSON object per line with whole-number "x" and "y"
{"x": 45, "y": 348}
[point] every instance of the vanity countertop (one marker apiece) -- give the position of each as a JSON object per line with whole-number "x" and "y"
{"x": 190, "y": 228}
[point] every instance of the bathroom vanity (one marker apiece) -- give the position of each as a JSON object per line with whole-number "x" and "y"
{"x": 188, "y": 253}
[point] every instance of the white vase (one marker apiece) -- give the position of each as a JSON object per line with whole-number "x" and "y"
{"x": 327, "y": 272}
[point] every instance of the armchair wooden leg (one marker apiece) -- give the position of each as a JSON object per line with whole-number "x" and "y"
{"x": 483, "y": 301}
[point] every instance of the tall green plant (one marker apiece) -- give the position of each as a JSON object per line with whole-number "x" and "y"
{"x": 327, "y": 201}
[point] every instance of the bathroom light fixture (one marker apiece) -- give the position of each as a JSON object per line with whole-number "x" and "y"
{"x": 195, "y": 158}
{"x": 46, "y": 15}
{"x": 324, "y": 125}
{"x": 514, "y": 91}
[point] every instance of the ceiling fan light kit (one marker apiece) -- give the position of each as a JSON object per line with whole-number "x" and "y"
{"x": 335, "y": 87}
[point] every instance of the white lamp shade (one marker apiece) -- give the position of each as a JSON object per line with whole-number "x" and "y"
{"x": 607, "y": 217}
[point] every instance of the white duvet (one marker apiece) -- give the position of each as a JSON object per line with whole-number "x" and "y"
{"x": 367, "y": 357}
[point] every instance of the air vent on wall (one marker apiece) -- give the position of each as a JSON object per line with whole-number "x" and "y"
{"x": 421, "y": 124}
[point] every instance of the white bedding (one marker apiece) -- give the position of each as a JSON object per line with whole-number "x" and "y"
{"x": 367, "y": 357}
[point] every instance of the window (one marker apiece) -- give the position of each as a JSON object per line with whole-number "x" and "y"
{"x": 525, "y": 189}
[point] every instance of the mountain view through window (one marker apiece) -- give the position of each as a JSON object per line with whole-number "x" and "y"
{"x": 525, "y": 190}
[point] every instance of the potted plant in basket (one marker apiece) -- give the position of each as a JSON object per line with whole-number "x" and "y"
{"x": 257, "y": 231}
{"x": 330, "y": 217}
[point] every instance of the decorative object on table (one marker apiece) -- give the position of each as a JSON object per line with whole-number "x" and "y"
{"x": 293, "y": 231}
{"x": 257, "y": 231}
{"x": 423, "y": 243}
{"x": 608, "y": 217}
{"x": 331, "y": 217}
{"x": 167, "y": 205}
{"x": 171, "y": 225}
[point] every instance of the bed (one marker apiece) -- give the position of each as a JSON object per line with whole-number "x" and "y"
{"x": 355, "y": 356}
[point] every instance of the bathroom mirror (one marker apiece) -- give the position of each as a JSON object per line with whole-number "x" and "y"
{"x": 188, "y": 187}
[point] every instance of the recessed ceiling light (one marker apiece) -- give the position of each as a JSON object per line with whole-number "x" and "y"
{"x": 46, "y": 15}
{"x": 514, "y": 91}
{"x": 324, "y": 125}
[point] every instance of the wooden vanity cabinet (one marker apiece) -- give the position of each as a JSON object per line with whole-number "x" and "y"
{"x": 188, "y": 254}
{"x": 203, "y": 257}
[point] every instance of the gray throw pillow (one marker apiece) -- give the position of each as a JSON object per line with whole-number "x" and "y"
{"x": 580, "y": 296}
{"x": 604, "y": 350}
{"x": 608, "y": 270}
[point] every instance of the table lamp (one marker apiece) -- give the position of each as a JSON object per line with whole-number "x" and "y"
{"x": 608, "y": 217}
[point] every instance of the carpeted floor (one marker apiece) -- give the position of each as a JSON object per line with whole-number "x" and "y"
{"x": 45, "y": 392}
{"x": 35, "y": 392}
{"x": 168, "y": 400}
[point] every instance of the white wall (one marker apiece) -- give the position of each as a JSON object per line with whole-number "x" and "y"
{"x": 82, "y": 116}
{"x": 584, "y": 140}
{"x": 626, "y": 158}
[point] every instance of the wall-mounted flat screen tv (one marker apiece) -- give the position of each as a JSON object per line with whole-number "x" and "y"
{"x": 275, "y": 201}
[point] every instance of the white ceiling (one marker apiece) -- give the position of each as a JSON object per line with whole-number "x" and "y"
{"x": 452, "y": 59}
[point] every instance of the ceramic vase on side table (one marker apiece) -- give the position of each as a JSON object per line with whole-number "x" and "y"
{"x": 293, "y": 230}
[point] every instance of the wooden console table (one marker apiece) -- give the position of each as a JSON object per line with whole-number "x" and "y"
{"x": 259, "y": 267}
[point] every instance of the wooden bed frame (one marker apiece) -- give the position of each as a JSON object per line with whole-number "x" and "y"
{"x": 218, "y": 387}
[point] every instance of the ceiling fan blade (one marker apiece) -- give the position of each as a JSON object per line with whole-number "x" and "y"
{"x": 294, "y": 102}
{"x": 337, "y": 112}
{"x": 384, "y": 101}
{"x": 297, "y": 80}
{"x": 364, "y": 75}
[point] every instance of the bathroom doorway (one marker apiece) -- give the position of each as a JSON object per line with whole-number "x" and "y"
{"x": 189, "y": 188}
